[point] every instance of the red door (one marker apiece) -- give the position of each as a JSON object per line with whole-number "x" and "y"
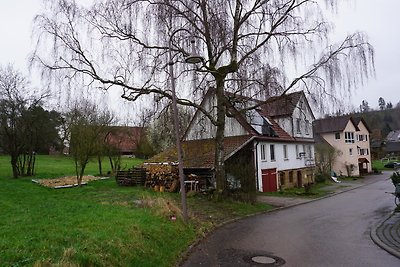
{"x": 269, "y": 180}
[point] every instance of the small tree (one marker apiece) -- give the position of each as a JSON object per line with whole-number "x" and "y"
{"x": 364, "y": 107}
{"x": 382, "y": 103}
{"x": 88, "y": 127}
{"x": 324, "y": 160}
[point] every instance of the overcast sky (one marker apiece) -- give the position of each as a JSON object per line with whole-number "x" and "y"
{"x": 378, "y": 18}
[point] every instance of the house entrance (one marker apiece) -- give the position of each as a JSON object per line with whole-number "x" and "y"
{"x": 363, "y": 166}
{"x": 269, "y": 180}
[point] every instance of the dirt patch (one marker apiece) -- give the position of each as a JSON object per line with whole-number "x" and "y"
{"x": 67, "y": 181}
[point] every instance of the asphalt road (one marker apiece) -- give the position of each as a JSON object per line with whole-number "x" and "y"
{"x": 334, "y": 231}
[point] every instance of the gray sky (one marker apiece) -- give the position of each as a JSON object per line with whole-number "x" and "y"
{"x": 378, "y": 18}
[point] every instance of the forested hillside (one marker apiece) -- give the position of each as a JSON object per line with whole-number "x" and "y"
{"x": 381, "y": 122}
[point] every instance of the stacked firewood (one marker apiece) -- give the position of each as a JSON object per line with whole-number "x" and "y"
{"x": 162, "y": 177}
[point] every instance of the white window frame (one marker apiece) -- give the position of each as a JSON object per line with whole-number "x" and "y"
{"x": 307, "y": 128}
{"x": 285, "y": 152}
{"x": 298, "y": 126}
{"x": 263, "y": 154}
{"x": 272, "y": 152}
{"x": 349, "y": 137}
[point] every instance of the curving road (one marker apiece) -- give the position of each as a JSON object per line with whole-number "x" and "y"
{"x": 334, "y": 231}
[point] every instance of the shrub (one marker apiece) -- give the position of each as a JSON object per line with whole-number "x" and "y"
{"x": 321, "y": 178}
{"x": 395, "y": 178}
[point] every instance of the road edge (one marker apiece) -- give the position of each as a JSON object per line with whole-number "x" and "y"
{"x": 378, "y": 241}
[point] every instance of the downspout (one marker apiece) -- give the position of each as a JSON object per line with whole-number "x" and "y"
{"x": 256, "y": 163}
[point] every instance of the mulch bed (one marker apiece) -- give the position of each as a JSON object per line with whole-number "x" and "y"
{"x": 67, "y": 181}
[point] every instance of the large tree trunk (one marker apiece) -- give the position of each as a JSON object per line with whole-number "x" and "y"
{"x": 100, "y": 165}
{"x": 221, "y": 185}
{"x": 14, "y": 163}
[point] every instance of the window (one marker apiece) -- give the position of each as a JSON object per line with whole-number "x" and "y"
{"x": 350, "y": 151}
{"x": 272, "y": 152}
{"x": 337, "y": 136}
{"x": 297, "y": 152}
{"x": 363, "y": 151}
{"x": 307, "y": 128}
{"x": 309, "y": 151}
{"x": 298, "y": 125}
{"x": 349, "y": 137}
{"x": 263, "y": 155}
{"x": 285, "y": 155}
{"x": 360, "y": 137}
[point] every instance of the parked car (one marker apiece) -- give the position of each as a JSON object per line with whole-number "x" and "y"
{"x": 392, "y": 165}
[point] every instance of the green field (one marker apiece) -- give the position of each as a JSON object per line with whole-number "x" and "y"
{"x": 99, "y": 224}
{"x": 58, "y": 166}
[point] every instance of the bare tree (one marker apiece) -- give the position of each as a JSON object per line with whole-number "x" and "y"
{"x": 88, "y": 128}
{"x": 326, "y": 156}
{"x": 248, "y": 47}
{"x": 18, "y": 104}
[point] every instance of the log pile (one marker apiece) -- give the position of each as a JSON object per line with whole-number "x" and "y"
{"x": 136, "y": 176}
{"x": 162, "y": 177}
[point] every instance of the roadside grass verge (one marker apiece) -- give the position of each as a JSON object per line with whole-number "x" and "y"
{"x": 316, "y": 191}
{"x": 101, "y": 223}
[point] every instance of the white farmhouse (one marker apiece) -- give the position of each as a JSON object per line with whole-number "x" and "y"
{"x": 272, "y": 144}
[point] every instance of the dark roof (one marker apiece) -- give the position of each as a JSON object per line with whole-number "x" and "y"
{"x": 283, "y": 105}
{"x": 124, "y": 138}
{"x": 357, "y": 120}
{"x": 201, "y": 153}
{"x": 392, "y": 147}
{"x": 332, "y": 124}
{"x": 393, "y": 136}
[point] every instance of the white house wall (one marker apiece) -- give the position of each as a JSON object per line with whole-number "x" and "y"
{"x": 202, "y": 128}
{"x": 292, "y": 162}
{"x": 303, "y": 113}
{"x": 346, "y": 157}
{"x": 365, "y": 144}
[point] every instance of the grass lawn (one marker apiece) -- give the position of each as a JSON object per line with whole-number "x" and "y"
{"x": 100, "y": 224}
{"x": 58, "y": 166}
{"x": 379, "y": 165}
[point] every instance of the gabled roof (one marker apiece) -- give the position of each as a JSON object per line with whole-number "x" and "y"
{"x": 333, "y": 124}
{"x": 392, "y": 147}
{"x": 283, "y": 105}
{"x": 201, "y": 153}
{"x": 124, "y": 138}
{"x": 357, "y": 120}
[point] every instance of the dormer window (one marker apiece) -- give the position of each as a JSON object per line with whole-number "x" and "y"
{"x": 266, "y": 129}
{"x": 307, "y": 128}
{"x": 298, "y": 125}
